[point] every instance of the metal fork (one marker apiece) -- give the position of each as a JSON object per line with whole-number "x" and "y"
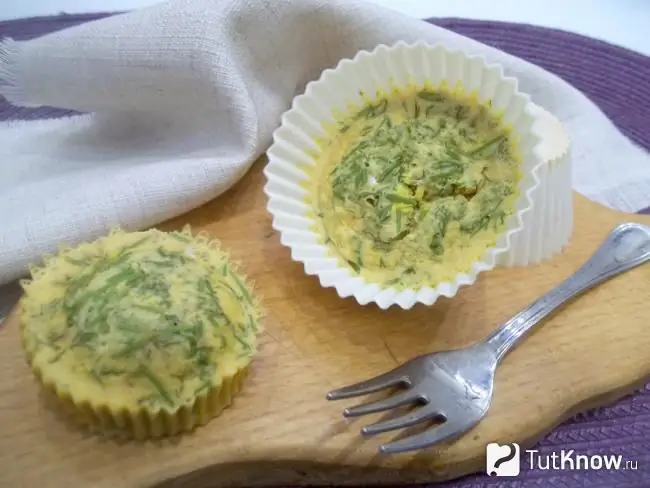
{"x": 456, "y": 387}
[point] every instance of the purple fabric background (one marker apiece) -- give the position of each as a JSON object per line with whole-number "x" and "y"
{"x": 618, "y": 81}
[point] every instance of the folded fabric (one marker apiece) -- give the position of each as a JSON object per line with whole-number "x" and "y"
{"x": 183, "y": 97}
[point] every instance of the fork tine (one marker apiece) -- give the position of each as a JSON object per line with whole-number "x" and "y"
{"x": 393, "y": 401}
{"x": 425, "y": 439}
{"x": 409, "y": 420}
{"x": 372, "y": 385}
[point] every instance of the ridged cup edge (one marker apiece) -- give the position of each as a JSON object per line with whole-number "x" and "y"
{"x": 548, "y": 226}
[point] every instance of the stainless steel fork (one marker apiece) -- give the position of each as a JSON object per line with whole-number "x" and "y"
{"x": 456, "y": 387}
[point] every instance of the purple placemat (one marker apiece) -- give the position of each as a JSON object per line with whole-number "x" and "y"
{"x": 606, "y": 74}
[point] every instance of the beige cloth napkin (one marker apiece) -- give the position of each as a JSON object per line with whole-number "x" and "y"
{"x": 185, "y": 96}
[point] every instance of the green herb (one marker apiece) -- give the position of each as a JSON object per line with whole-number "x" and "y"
{"x": 354, "y": 266}
{"x": 440, "y": 218}
{"x": 448, "y": 169}
{"x": 385, "y": 123}
{"x": 389, "y": 170}
{"x": 489, "y": 201}
{"x": 359, "y": 261}
{"x": 431, "y": 96}
{"x": 366, "y": 130}
{"x": 130, "y": 347}
{"x": 371, "y": 111}
{"x": 488, "y": 144}
{"x": 400, "y": 236}
{"x": 398, "y": 221}
{"x": 393, "y": 197}
{"x": 58, "y": 354}
{"x": 242, "y": 288}
{"x": 156, "y": 383}
{"x": 142, "y": 240}
{"x": 384, "y": 213}
{"x": 361, "y": 176}
{"x": 476, "y": 225}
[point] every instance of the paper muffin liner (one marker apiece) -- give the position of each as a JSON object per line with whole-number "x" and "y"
{"x": 142, "y": 422}
{"x": 548, "y": 226}
{"x": 384, "y": 70}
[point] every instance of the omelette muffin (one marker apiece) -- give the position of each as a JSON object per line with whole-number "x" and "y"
{"x": 144, "y": 334}
{"x": 412, "y": 188}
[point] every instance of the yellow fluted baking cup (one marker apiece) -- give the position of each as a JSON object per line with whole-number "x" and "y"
{"x": 547, "y": 227}
{"x": 142, "y": 334}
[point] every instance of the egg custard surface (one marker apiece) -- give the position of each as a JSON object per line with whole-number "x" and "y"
{"x": 414, "y": 187}
{"x": 147, "y": 326}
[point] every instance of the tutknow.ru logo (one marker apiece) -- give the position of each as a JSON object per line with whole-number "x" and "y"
{"x": 505, "y": 460}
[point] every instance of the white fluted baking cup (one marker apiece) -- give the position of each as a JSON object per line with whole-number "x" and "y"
{"x": 383, "y": 70}
{"x": 548, "y": 226}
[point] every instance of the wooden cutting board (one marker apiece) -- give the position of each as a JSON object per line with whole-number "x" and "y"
{"x": 281, "y": 430}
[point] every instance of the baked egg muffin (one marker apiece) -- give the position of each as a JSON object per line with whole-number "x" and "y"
{"x": 143, "y": 334}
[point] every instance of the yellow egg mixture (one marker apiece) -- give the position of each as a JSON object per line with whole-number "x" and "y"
{"x": 415, "y": 186}
{"x": 138, "y": 320}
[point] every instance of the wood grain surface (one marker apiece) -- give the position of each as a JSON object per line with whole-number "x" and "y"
{"x": 281, "y": 430}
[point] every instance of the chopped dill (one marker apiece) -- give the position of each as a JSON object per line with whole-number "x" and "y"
{"x": 393, "y": 197}
{"x": 145, "y": 371}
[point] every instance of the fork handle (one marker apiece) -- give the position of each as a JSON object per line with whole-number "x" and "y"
{"x": 627, "y": 246}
